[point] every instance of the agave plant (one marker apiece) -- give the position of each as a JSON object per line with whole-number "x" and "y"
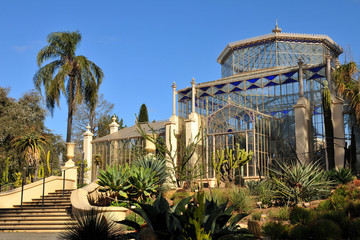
{"x": 90, "y": 225}
{"x": 191, "y": 218}
{"x": 142, "y": 184}
{"x": 115, "y": 180}
{"x": 157, "y": 165}
{"x": 296, "y": 183}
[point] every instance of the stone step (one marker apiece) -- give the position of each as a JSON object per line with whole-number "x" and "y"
{"x": 56, "y": 202}
{"x": 46, "y": 205}
{"x": 15, "y": 216}
{"x": 39, "y": 220}
{"x": 34, "y": 209}
{"x": 47, "y": 198}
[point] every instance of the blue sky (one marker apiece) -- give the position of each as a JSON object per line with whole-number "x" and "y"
{"x": 143, "y": 46}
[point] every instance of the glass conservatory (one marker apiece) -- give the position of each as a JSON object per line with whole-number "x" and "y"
{"x": 253, "y": 103}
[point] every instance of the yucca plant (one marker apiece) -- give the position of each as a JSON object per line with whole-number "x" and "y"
{"x": 340, "y": 175}
{"x": 90, "y": 225}
{"x": 296, "y": 182}
{"x": 275, "y": 230}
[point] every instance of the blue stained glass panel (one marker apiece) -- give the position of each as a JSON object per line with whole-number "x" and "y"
{"x": 204, "y": 95}
{"x": 316, "y": 76}
{"x": 289, "y": 80}
{"x": 289, "y": 74}
{"x": 253, "y": 80}
{"x": 236, "y": 90}
{"x": 204, "y": 88}
{"x": 253, "y": 87}
{"x": 185, "y": 91}
{"x": 219, "y": 86}
{"x": 314, "y": 70}
{"x": 271, "y": 77}
{"x": 184, "y": 98}
{"x": 219, "y": 92}
{"x": 236, "y": 83}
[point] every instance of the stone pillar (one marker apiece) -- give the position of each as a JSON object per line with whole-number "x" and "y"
{"x": 70, "y": 169}
{"x": 174, "y": 99}
{"x": 302, "y": 117}
{"x": 114, "y": 127}
{"x": 328, "y": 72}
{"x": 339, "y": 131}
{"x": 150, "y": 147}
{"x": 87, "y": 149}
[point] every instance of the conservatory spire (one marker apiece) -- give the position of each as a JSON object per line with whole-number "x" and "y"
{"x": 276, "y": 29}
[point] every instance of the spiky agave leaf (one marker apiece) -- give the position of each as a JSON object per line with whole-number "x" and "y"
{"x": 89, "y": 225}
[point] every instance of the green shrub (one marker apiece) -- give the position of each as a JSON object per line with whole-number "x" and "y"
{"x": 299, "y": 215}
{"x": 296, "y": 183}
{"x": 341, "y": 175}
{"x": 325, "y": 229}
{"x": 275, "y": 230}
{"x": 325, "y": 205}
{"x": 240, "y": 198}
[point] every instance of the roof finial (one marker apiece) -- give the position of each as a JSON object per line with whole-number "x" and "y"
{"x": 276, "y": 29}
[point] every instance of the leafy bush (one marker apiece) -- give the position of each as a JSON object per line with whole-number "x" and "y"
{"x": 275, "y": 230}
{"x": 354, "y": 229}
{"x": 300, "y": 232}
{"x": 341, "y": 175}
{"x": 296, "y": 183}
{"x": 241, "y": 199}
{"x": 299, "y": 215}
{"x": 90, "y": 225}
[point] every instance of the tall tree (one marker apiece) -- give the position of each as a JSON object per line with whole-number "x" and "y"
{"x": 74, "y": 76}
{"x": 143, "y": 114}
{"x": 85, "y": 115}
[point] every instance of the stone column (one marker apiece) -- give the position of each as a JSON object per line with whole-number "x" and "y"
{"x": 87, "y": 149}
{"x": 302, "y": 117}
{"x": 174, "y": 99}
{"x": 328, "y": 72}
{"x": 339, "y": 131}
{"x": 114, "y": 127}
{"x": 172, "y": 129}
{"x": 150, "y": 146}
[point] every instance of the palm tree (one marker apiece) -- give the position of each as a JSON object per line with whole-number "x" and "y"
{"x": 75, "y": 76}
{"x": 30, "y": 146}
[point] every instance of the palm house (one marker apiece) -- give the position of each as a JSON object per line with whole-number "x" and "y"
{"x": 268, "y": 100}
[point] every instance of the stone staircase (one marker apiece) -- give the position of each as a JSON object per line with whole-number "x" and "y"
{"x": 33, "y": 217}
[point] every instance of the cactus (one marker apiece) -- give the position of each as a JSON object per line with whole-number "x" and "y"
{"x": 225, "y": 165}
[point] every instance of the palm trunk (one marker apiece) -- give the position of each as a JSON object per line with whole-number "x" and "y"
{"x": 70, "y": 109}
